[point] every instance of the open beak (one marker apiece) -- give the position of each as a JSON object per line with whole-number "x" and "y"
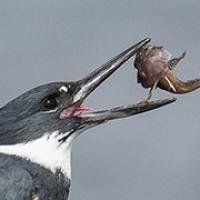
{"x": 95, "y": 78}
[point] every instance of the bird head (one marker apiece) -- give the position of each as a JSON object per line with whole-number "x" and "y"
{"x": 55, "y": 110}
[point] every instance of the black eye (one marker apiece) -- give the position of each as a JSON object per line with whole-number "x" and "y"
{"x": 50, "y": 104}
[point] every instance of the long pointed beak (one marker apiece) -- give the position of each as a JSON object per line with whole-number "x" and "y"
{"x": 95, "y": 78}
{"x": 124, "y": 111}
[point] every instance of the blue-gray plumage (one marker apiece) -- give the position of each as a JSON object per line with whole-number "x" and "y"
{"x": 38, "y": 127}
{"x": 21, "y": 180}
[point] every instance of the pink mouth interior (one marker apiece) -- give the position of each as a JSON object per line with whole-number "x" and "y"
{"x": 84, "y": 109}
{"x": 74, "y": 111}
{"x": 79, "y": 110}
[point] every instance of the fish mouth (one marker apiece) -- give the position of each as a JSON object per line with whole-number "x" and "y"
{"x": 90, "y": 82}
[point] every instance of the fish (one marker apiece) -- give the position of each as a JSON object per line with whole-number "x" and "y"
{"x": 155, "y": 67}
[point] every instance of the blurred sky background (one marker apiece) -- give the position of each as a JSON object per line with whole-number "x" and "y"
{"x": 152, "y": 156}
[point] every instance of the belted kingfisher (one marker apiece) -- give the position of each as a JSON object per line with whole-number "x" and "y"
{"x": 38, "y": 127}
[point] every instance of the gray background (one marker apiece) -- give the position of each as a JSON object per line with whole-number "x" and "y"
{"x": 153, "y": 156}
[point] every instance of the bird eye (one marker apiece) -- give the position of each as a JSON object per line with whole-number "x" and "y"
{"x": 50, "y": 104}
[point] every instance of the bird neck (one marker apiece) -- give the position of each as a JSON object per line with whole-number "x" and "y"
{"x": 46, "y": 151}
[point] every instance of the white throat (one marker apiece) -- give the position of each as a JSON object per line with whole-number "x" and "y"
{"x": 46, "y": 151}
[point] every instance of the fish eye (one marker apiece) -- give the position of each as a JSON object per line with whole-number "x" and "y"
{"x": 50, "y": 103}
